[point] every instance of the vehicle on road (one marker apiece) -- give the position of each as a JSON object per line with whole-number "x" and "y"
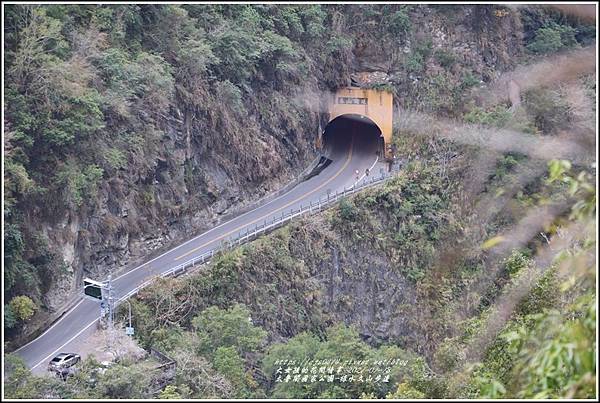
{"x": 63, "y": 361}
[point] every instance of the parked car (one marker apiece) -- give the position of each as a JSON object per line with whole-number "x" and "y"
{"x": 63, "y": 361}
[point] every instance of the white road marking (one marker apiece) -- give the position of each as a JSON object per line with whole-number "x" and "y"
{"x": 67, "y": 342}
{"x": 370, "y": 169}
{"x": 207, "y": 232}
{"x": 348, "y": 159}
{"x": 51, "y": 327}
{"x": 146, "y": 263}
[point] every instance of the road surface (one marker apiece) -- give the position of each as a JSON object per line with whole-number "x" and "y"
{"x": 349, "y": 152}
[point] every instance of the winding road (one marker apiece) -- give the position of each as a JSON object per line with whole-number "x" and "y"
{"x": 349, "y": 149}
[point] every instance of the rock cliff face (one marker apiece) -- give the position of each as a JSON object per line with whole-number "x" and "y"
{"x": 199, "y": 172}
{"x": 482, "y": 41}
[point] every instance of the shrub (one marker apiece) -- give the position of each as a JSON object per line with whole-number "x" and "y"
{"x": 348, "y": 210}
{"x": 79, "y": 184}
{"x": 231, "y": 96}
{"x": 22, "y": 307}
{"x": 121, "y": 382}
{"x": 552, "y": 38}
{"x": 229, "y": 363}
{"x": 169, "y": 392}
{"x": 469, "y": 80}
{"x": 516, "y": 262}
{"x": 416, "y": 60}
{"x": 405, "y": 391}
{"x": 115, "y": 158}
{"x": 445, "y": 58}
{"x": 399, "y": 23}
{"x": 499, "y": 116}
{"x": 414, "y": 63}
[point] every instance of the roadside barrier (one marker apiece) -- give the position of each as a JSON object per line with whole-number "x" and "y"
{"x": 244, "y": 236}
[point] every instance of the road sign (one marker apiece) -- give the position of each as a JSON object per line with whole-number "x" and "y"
{"x": 92, "y": 289}
{"x": 129, "y": 331}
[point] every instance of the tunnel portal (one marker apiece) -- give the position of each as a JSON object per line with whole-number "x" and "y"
{"x": 363, "y": 114}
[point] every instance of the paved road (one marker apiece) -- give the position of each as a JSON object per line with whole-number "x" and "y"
{"x": 350, "y": 150}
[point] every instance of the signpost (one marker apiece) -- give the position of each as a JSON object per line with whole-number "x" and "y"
{"x": 100, "y": 291}
{"x": 93, "y": 289}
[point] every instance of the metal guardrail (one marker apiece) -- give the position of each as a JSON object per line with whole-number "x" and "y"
{"x": 267, "y": 225}
{"x": 165, "y": 360}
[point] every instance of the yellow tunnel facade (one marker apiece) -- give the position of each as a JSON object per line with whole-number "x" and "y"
{"x": 375, "y": 105}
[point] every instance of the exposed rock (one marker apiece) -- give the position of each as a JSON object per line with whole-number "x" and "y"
{"x": 369, "y": 79}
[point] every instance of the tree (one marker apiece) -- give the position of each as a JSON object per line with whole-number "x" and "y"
{"x": 229, "y": 363}
{"x": 195, "y": 376}
{"x": 552, "y": 38}
{"x": 348, "y": 210}
{"x": 10, "y": 319}
{"x": 341, "y": 343}
{"x": 17, "y": 377}
{"x": 124, "y": 382}
{"x": 557, "y": 359}
{"x": 40, "y": 43}
{"x": 227, "y": 328}
{"x": 23, "y": 307}
{"x": 399, "y": 23}
{"x": 114, "y": 341}
{"x": 19, "y": 383}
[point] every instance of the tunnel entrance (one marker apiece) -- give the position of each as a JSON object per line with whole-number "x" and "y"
{"x": 367, "y": 111}
{"x": 352, "y": 130}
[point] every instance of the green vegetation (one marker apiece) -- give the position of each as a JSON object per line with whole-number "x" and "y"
{"x": 552, "y": 38}
{"x": 343, "y": 344}
{"x": 93, "y": 94}
{"x": 541, "y": 351}
{"x": 445, "y": 58}
{"x": 169, "y": 392}
{"x": 498, "y": 116}
{"x": 421, "y": 269}
{"x": 399, "y": 23}
{"x": 417, "y": 58}
{"x": 233, "y": 328}
{"x": 22, "y": 307}
{"x": 124, "y": 380}
{"x": 548, "y": 30}
{"x": 10, "y": 320}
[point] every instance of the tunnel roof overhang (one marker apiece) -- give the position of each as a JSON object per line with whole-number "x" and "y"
{"x": 360, "y": 118}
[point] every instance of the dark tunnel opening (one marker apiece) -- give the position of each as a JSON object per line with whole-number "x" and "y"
{"x": 356, "y": 130}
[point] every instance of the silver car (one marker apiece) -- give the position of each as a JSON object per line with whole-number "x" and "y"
{"x": 63, "y": 361}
